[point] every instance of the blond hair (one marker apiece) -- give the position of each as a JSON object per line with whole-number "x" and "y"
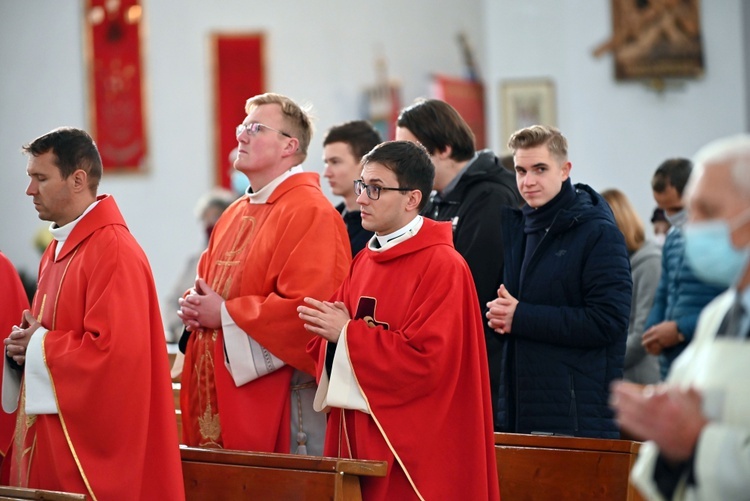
{"x": 297, "y": 119}
{"x": 538, "y": 135}
{"x": 628, "y": 221}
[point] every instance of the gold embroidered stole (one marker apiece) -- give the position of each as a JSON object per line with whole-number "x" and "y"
{"x": 224, "y": 272}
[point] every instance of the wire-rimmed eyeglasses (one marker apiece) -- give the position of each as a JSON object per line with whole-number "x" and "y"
{"x": 254, "y": 127}
{"x": 372, "y": 190}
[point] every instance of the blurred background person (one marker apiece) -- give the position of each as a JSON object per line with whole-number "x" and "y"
{"x": 208, "y": 209}
{"x": 237, "y": 180}
{"x": 680, "y": 295}
{"x": 698, "y": 423}
{"x": 645, "y": 267}
{"x": 660, "y": 225}
{"x": 343, "y": 148}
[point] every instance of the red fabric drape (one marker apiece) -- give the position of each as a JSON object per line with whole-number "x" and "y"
{"x": 238, "y": 75}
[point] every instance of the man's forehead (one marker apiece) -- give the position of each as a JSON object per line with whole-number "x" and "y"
{"x": 337, "y": 149}
{"x": 263, "y": 110}
{"x": 712, "y": 185}
{"x": 376, "y": 170}
{"x": 44, "y": 162}
{"x": 531, "y": 156}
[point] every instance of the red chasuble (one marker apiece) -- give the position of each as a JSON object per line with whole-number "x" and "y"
{"x": 13, "y": 302}
{"x": 417, "y": 352}
{"x": 115, "y": 437}
{"x": 264, "y": 259}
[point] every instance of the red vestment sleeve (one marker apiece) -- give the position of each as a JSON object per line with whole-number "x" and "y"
{"x": 14, "y": 301}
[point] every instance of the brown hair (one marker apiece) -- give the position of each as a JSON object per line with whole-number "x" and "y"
{"x": 437, "y": 125}
{"x": 627, "y": 219}
{"x": 360, "y": 135}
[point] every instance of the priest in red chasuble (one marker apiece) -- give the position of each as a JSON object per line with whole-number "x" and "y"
{"x": 13, "y": 302}
{"x": 400, "y": 349}
{"x": 247, "y": 382}
{"x": 87, "y": 367}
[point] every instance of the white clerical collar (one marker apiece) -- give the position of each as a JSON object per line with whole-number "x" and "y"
{"x": 398, "y": 236}
{"x": 61, "y": 233}
{"x": 262, "y": 195}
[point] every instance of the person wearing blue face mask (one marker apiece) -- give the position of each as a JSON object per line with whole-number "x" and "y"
{"x": 238, "y": 181}
{"x": 698, "y": 423}
{"x": 680, "y": 295}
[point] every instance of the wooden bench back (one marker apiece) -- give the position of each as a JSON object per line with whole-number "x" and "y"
{"x": 212, "y": 474}
{"x": 564, "y": 468}
{"x": 19, "y": 493}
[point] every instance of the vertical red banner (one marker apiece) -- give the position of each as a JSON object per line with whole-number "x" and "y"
{"x": 239, "y": 74}
{"x": 116, "y": 102}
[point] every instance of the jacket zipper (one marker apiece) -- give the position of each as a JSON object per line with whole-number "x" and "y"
{"x": 573, "y": 408}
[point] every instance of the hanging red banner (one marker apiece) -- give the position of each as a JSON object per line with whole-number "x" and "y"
{"x": 115, "y": 74}
{"x": 239, "y": 74}
{"x": 467, "y": 97}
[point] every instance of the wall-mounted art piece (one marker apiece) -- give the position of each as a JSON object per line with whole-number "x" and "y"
{"x": 655, "y": 39}
{"x": 116, "y": 97}
{"x": 524, "y": 103}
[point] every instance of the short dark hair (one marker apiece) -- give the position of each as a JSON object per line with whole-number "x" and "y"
{"x": 410, "y": 162}
{"x": 674, "y": 171}
{"x": 658, "y": 215}
{"x": 436, "y": 124}
{"x": 360, "y": 135}
{"x": 73, "y": 149}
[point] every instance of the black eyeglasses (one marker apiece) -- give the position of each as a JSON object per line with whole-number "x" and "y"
{"x": 373, "y": 191}
{"x": 254, "y": 127}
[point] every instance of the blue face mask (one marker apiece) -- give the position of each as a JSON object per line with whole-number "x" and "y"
{"x": 709, "y": 250}
{"x": 240, "y": 182}
{"x": 678, "y": 218}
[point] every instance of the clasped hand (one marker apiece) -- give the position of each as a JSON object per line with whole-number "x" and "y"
{"x": 666, "y": 414}
{"x": 17, "y": 342}
{"x": 500, "y": 311}
{"x": 201, "y": 308}
{"x": 324, "y": 318}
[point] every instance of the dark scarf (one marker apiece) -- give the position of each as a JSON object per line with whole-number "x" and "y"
{"x": 538, "y": 221}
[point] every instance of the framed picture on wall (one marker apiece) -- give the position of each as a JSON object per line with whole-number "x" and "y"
{"x": 524, "y": 103}
{"x": 656, "y": 39}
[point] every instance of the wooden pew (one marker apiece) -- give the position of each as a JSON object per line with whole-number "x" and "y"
{"x": 19, "y": 493}
{"x": 217, "y": 474}
{"x": 556, "y": 468}
{"x": 177, "y": 411}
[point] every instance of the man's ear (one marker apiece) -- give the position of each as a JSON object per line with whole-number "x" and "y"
{"x": 291, "y": 147}
{"x": 445, "y": 153}
{"x": 415, "y": 198}
{"x": 566, "y": 167}
{"x": 79, "y": 180}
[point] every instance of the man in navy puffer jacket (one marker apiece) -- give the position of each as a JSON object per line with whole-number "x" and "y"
{"x": 563, "y": 309}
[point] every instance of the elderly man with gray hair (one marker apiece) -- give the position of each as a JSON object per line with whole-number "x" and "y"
{"x": 697, "y": 423}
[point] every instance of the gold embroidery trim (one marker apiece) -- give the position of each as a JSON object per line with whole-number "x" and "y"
{"x": 54, "y": 390}
{"x": 377, "y": 423}
{"x": 209, "y": 424}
